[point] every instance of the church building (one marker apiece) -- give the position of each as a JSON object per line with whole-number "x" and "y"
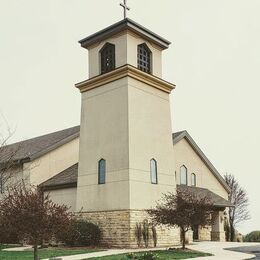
{"x": 124, "y": 155}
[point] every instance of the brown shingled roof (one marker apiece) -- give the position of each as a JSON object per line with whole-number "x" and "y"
{"x": 65, "y": 179}
{"x": 34, "y": 148}
{"x": 217, "y": 200}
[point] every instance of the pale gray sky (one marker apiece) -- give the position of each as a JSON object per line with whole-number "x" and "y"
{"x": 214, "y": 60}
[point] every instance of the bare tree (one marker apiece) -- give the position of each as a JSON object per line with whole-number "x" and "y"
{"x": 182, "y": 209}
{"x": 9, "y": 154}
{"x": 238, "y": 197}
{"x": 32, "y": 216}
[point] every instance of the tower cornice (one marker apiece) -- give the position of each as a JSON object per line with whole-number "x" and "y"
{"x": 126, "y": 24}
{"x": 122, "y": 72}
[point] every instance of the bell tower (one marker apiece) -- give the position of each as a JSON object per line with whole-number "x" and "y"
{"x": 126, "y": 152}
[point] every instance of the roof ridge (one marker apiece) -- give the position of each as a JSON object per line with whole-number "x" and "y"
{"x": 44, "y": 135}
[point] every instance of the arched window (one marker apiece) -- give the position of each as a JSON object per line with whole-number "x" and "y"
{"x": 184, "y": 179}
{"x": 153, "y": 171}
{"x": 144, "y": 57}
{"x": 193, "y": 179}
{"x": 102, "y": 171}
{"x": 107, "y": 57}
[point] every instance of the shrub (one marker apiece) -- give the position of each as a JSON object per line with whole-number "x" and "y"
{"x": 131, "y": 256}
{"x": 7, "y": 236}
{"x": 138, "y": 234}
{"x": 145, "y": 231}
{"x": 254, "y": 236}
{"x": 154, "y": 236}
{"x": 144, "y": 256}
{"x": 81, "y": 233}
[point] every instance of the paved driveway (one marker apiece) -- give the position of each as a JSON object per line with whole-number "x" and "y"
{"x": 218, "y": 249}
{"x": 255, "y": 250}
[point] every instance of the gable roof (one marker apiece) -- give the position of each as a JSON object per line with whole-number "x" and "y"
{"x": 65, "y": 179}
{"x": 217, "y": 200}
{"x": 32, "y": 149}
{"x": 184, "y": 134}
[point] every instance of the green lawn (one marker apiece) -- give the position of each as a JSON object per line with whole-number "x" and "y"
{"x": 163, "y": 255}
{"x": 43, "y": 253}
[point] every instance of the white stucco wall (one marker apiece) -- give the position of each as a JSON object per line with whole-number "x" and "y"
{"x": 125, "y": 53}
{"x": 150, "y": 137}
{"x": 104, "y": 134}
{"x": 65, "y": 196}
{"x": 52, "y": 163}
{"x": 185, "y": 155}
{"x": 127, "y": 123}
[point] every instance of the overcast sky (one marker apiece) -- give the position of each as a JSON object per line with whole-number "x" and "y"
{"x": 214, "y": 60}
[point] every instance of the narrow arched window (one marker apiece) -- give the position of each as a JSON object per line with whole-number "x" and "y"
{"x": 144, "y": 57}
{"x": 107, "y": 57}
{"x": 153, "y": 171}
{"x": 193, "y": 179}
{"x": 102, "y": 171}
{"x": 184, "y": 179}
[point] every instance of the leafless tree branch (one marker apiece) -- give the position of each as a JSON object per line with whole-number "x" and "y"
{"x": 238, "y": 197}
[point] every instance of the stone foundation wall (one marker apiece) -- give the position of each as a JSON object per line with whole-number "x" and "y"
{"x": 205, "y": 233}
{"x": 218, "y": 236}
{"x": 165, "y": 236}
{"x": 114, "y": 226}
{"x": 119, "y": 227}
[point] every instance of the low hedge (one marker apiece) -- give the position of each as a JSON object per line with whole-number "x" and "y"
{"x": 254, "y": 236}
{"x": 81, "y": 233}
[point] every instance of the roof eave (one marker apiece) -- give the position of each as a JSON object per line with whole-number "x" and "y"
{"x": 58, "y": 186}
{"x": 223, "y": 205}
{"x": 121, "y": 26}
{"x": 203, "y": 157}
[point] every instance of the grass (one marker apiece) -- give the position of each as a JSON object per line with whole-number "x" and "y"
{"x": 43, "y": 253}
{"x": 163, "y": 255}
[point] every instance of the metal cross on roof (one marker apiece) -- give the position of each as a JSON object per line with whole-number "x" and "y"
{"x": 126, "y": 8}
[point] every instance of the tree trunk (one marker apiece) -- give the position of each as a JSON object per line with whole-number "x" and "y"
{"x": 232, "y": 233}
{"x": 183, "y": 238}
{"x": 35, "y": 252}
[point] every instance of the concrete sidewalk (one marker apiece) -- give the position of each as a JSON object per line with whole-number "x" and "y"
{"x": 17, "y": 249}
{"x": 215, "y": 248}
{"x": 104, "y": 253}
{"x": 219, "y": 252}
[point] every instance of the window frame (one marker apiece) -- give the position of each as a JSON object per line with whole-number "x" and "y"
{"x": 105, "y": 69}
{"x": 152, "y": 173}
{"x": 186, "y": 175}
{"x": 100, "y": 182}
{"x": 146, "y": 59}
{"x": 193, "y": 178}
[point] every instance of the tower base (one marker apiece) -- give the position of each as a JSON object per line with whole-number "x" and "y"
{"x": 119, "y": 229}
